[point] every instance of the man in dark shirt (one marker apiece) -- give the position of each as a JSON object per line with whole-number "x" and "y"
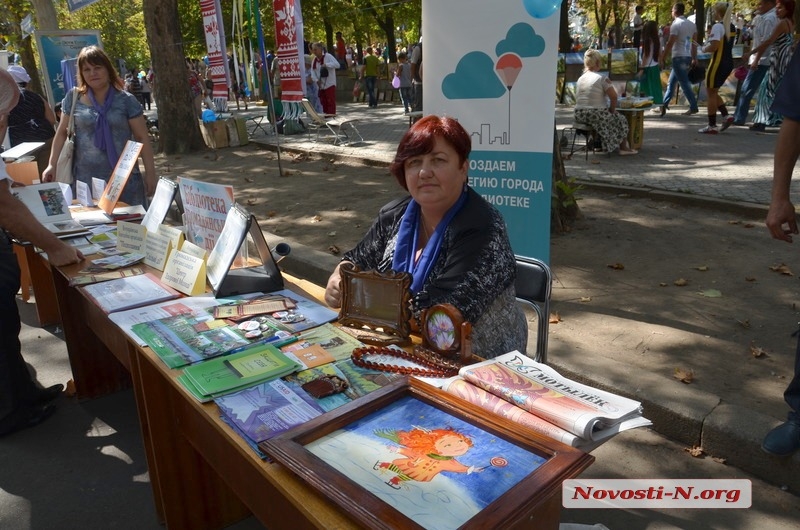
{"x": 22, "y": 403}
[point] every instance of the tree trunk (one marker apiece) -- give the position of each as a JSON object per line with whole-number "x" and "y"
{"x": 46, "y": 18}
{"x": 177, "y": 124}
{"x": 564, "y": 208}
{"x": 564, "y": 37}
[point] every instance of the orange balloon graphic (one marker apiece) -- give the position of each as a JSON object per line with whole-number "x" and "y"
{"x": 508, "y": 67}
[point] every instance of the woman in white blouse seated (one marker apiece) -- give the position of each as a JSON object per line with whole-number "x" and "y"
{"x": 592, "y": 108}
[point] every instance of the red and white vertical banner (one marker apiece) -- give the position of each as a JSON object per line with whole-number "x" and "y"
{"x": 215, "y": 46}
{"x": 499, "y": 83}
{"x": 289, "y": 41}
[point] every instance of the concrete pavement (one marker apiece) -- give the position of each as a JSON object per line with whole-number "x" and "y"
{"x": 85, "y": 467}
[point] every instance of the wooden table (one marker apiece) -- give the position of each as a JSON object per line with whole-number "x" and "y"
{"x": 35, "y": 274}
{"x": 203, "y": 474}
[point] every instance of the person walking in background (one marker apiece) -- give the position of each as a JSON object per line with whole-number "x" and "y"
{"x": 195, "y": 89}
{"x": 323, "y": 72}
{"x": 312, "y": 90}
{"x": 133, "y": 86}
{"x": 32, "y": 119}
{"x": 341, "y": 51}
{"x": 763, "y": 26}
{"x": 370, "y": 70}
{"x": 682, "y": 44}
{"x": 404, "y": 73}
{"x": 784, "y": 439}
{"x": 146, "y": 93}
{"x": 591, "y": 108}
{"x": 105, "y": 118}
{"x": 780, "y": 43}
{"x": 650, "y": 76}
{"x": 416, "y": 76}
{"x": 23, "y": 403}
{"x": 637, "y": 23}
{"x": 720, "y": 45}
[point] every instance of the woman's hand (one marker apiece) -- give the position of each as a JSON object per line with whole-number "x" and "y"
{"x": 333, "y": 291}
{"x": 49, "y": 174}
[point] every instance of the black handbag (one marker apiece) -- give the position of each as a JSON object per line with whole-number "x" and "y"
{"x": 696, "y": 73}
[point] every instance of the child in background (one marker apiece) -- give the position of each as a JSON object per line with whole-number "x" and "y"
{"x": 404, "y": 73}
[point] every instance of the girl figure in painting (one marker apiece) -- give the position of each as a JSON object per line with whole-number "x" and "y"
{"x": 426, "y": 454}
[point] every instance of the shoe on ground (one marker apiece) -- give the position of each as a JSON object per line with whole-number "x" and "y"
{"x": 783, "y": 440}
{"x": 708, "y": 129}
{"x": 627, "y": 152}
{"x": 660, "y": 110}
{"x": 690, "y": 112}
{"x": 26, "y": 417}
{"x": 738, "y": 123}
{"x": 726, "y": 123}
{"x": 758, "y": 127}
{"x": 48, "y": 395}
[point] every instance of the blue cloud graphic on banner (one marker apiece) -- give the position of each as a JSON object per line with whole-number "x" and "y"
{"x": 541, "y": 8}
{"x": 522, "y": 40}
{"x": 474, "y": 78}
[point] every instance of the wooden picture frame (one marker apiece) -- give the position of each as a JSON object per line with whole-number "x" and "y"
{"x": 375, "y": 300}
{"x": 533, "y": 494}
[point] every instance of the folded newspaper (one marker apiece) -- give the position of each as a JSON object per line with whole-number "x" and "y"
{"x": 533, "y": 394}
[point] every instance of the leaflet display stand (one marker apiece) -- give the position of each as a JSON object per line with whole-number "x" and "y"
{"x": 255, "y": 270}
{"x": 161, "y": 203}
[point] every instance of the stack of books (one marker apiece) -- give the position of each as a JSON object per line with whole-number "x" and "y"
{"x": 224, "y": 375}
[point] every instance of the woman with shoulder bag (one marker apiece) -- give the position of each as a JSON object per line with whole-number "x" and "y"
{"x": 105, "y": 118}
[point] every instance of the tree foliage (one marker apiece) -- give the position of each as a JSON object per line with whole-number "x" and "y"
{"x": 121, "y": 26}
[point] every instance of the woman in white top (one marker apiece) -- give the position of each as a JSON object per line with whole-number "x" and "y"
{"x": 592, "y": 109}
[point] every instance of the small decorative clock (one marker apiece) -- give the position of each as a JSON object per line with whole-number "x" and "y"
{"x": 445, "y": 332}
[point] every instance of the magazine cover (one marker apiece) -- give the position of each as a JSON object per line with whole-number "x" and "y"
{"x": 584, "y": 411}
{"x": 268, "y": 409}
{"x": 189, "y": 338}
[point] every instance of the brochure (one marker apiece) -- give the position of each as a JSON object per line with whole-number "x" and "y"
{"x": 128, "y": 293}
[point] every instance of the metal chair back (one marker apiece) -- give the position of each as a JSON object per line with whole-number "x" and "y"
{"x": 533, "y": 286}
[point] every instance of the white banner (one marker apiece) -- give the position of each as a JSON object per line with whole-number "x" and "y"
{"x": 499, "y": 82}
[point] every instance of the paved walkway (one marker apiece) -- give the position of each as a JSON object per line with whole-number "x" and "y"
{"x": 735, "y": 165}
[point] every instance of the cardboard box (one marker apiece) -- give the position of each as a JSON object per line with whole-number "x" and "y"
{"x": 237, "y": 132}
{"x": 215, "y": 134}
{"x": 25, "y": 172}
{"x": 635, "y": 127}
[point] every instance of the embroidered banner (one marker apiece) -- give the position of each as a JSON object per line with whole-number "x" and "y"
{"x": 289, "y": 40}
{"x": 215, "y": 46}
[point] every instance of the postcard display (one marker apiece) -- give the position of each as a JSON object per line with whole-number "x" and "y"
{"x": 241, "y": 231}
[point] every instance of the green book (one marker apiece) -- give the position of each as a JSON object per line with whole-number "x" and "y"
{"x": 222, "y": 375}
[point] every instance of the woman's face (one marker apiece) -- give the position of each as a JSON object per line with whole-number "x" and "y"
{"x": 436, "y": 179}
{"x": 780, "y": 10}
{"x": 95, "y": 75}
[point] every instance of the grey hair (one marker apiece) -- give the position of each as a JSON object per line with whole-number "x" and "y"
{"x": 9, "y": 92}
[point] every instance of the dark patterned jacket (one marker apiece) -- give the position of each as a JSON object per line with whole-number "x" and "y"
{"x": 474, "y": 271}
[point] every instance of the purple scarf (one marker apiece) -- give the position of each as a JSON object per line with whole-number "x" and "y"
{"x": 103, "y": 139}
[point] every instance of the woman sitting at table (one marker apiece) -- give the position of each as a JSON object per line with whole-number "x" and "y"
{"x": 592, "y": 109}
{"x": 447, "y": 236}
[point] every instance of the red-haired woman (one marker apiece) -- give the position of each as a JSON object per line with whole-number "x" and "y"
{"x": 451, "y": 241}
